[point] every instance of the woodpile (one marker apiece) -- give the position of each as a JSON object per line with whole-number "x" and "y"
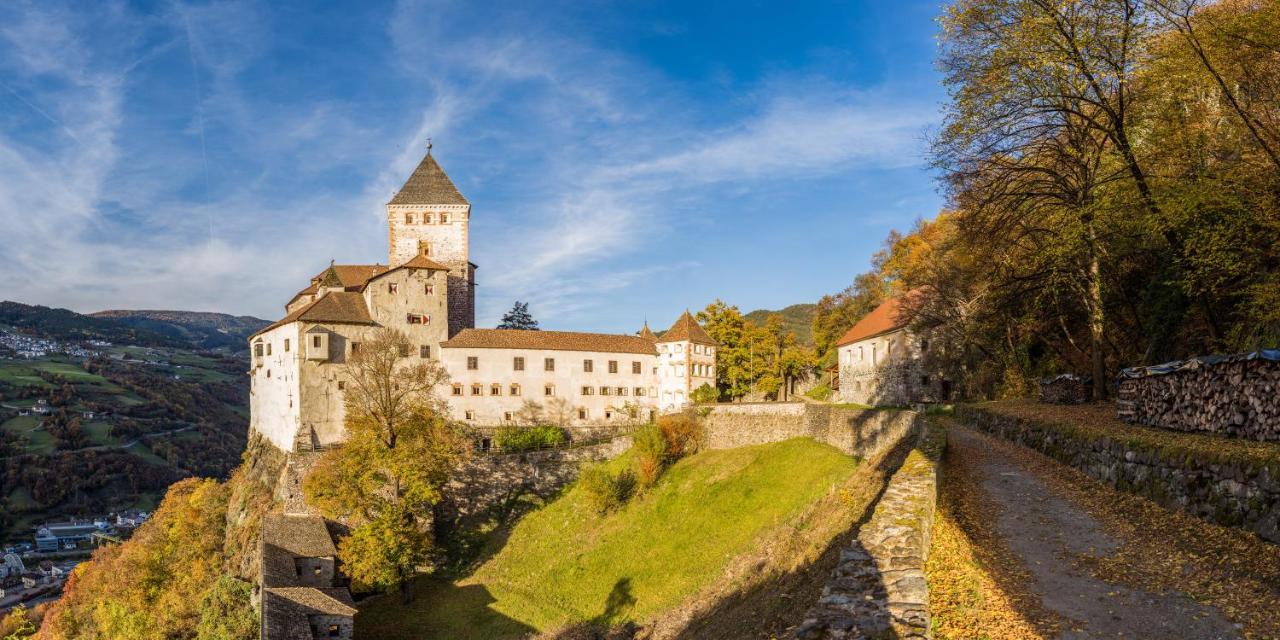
{"x": 1067, "y": 388}
{"x": 1236, "y": 396}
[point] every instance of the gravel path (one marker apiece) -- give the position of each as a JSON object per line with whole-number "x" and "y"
{"x": 1048, "y": 534}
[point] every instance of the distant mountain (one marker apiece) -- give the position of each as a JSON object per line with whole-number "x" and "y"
{"x": 201, "y": 329}
{"x": 64, "y": 324}
{"x": 797, "y": 318}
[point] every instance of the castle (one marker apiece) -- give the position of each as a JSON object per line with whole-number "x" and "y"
{"x": 427, "y": 291}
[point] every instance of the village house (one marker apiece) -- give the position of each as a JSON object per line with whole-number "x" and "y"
{"x": 427, "y": 291}
{"x": 882, "y": 362}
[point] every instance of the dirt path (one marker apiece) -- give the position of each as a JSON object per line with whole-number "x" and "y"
{"x": 1056, "y": 539}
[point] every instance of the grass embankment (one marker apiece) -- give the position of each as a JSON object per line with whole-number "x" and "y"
{"x": 564, "y": 564}
{"x": 1099, "y": 421}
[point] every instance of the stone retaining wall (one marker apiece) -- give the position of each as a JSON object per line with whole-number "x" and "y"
{"x": 1222, "y": 491}
{"x": 878, "y": 588}
{"x": 858, "y": 432}
{"x": 487, "y": 480}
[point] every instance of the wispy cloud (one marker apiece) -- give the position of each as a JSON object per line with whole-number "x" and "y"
{"x": 196, "y": 159}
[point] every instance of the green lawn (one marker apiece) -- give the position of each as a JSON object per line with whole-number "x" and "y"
{"x": 38, "y": 441}
{"x": 564, "y": 564}
{"x": 20, "y": 375}
{"x": 98, "y": 433}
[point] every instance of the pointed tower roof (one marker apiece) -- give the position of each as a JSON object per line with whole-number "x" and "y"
{"x": 647, "y": 333}
{"x": 428, "y": 185}
{"x": 331, "y": 278}
{"x": 686, "y": 329}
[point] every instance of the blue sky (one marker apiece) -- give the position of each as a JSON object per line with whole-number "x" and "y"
{"x": 624, "y": 160}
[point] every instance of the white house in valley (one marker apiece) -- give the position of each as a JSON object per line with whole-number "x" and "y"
{"x": 427, "y": 290}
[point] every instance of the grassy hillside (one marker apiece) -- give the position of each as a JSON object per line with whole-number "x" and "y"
{"x": 797, "y": 318}
{"x": 564, "y": 564}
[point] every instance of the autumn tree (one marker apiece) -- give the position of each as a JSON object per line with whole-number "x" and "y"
{"x": 387, "y": 475}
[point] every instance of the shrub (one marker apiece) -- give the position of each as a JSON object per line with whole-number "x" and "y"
{"x": 821, "y": 392}
{"x": 652, "y": 451}
{"x": 705, "y": 394}
{"x": 528, "y": 438}
{"x": 683, "y": 433}
{"x": 605, "y": 490}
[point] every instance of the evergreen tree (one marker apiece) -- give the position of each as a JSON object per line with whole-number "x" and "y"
{"x": 518, "y": 318}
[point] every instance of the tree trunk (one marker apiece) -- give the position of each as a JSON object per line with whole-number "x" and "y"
{"x": 1097, "y": 317}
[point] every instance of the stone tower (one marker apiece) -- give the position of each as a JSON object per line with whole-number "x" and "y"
{"x": 428, "y": 216}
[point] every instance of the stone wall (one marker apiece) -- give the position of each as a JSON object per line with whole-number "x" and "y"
{"x": 878, "y": 588}
{"x": 1236, "y": 396}
{"x": 1219, "y": 489}
{"x": 489, "y": 480}
{"x": 858, "y": 432}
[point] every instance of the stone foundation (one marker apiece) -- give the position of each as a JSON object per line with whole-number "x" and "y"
{"x": 878, "y": 588}
{"x": 1219, "y": 489}
{"x": 489, "y": 480}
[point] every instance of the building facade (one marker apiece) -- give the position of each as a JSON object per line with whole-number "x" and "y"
{"x": 882, "y": 362}
{"x": 498, "y": 377}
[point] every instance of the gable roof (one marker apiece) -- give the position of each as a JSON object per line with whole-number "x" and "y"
{"x": 888, "y": 316}
{"x": 286, "y": 537}
{"x": 428, "y": 184}
{"x": 287, "y": 611}
{"x": 686, "y": 329}
{"x": 549, "y": 340}
{"x": 341, "y": 307}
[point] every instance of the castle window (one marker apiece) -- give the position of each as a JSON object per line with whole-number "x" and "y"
{"x": 457, "y": 389}
{"x": 587, "y": 365}
{"x": 355, "y": 346}
{"x": 515, "y": 389}
{"x": 444, "y": 218}
{"x": 582, "y": 414}
{"x": 604, "y": 391}
{"x": 621, "y": 391}
{"x": 506, "y": 415}
{"x": 586, "y": 391}
{"x": 315, "y": 341}
{"x": 257, "y": 349}
{"x": 424, "y": 351}
{"x": 549, "y": 390}
{"x": 393, "y": 287}
{"x": 286, "y": 345}
{"x": 517, "y": 363}
{"x": 404, "y": 351}
{"x": 473, "y": 363}
{"x": 413, "y": 318}
{"x": 495, "y": 389}
{"x": 549, "y": 364}
{"x": 608, "y": 415}
{"x": 342, "y": 385}
{"x": 268, "y": 348}
{"x": 430, "y": 290}
{"x": 613, "y": 366}
{"x": 426, "y": 218}
{"x": 408, "y": 218}
{"x": 334, "y": 630}
{"x": 268, "y": 373}
{"x": 640, "y": 392}
{"x": 635, "y": 367}
{"x": 471, "y": 415}
{"x": 477, "y": 390}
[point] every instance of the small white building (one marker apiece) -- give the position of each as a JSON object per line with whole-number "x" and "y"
{"x": 686, "y": 361}
{"x": 883, "y": 363}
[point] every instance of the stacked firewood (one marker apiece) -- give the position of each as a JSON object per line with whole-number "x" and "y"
{"x": 1239, "y": 398}
{"x": 1067, "y": 388}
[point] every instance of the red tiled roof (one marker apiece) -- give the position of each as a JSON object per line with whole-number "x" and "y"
{"x": 342, "y": 307}
{"x": 687, "y": 329}
{"x": 888, "y": 316}
{"x": 551, "y": 340}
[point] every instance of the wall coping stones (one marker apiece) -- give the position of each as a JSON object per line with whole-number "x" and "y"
{"x": 878, "y": 587}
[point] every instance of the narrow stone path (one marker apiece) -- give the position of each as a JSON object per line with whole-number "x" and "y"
{"x": 1052, "y": 537}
